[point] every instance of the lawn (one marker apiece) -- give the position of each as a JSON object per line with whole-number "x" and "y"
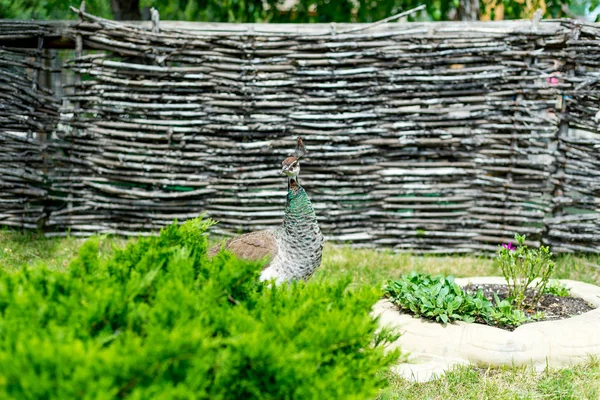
{"x": 369, "y": 267}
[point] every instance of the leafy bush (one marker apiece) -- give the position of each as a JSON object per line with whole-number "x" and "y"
{"x": 525, "y": 269}
{"x": 158, "y": 319}
{"x": 443, "y": 300}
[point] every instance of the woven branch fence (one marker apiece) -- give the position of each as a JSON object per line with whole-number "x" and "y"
{"x": 424, "y": 137}
{"x": 28, "y": 111}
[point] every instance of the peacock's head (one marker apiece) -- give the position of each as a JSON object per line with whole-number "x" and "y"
{"x": 291, "y": 165}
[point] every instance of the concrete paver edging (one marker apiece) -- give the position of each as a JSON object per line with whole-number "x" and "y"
{"x": 434, "y": 347}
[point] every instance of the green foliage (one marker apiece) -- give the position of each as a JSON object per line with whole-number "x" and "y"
{"x": 525, "y": 9}
{"x": 325, "y": 11}
{"x": 303, "y": 11}
{"x": 51, "y": 9}
{"x": 525, "y": 269}
{"x": 436, "y": 10}
{"x": 436, "y": 297}
{"x": 159, "y": 319}
{"x": 211, "y": 10}
{"x": 557, "y": 289}
{"x": 441, "y": 299}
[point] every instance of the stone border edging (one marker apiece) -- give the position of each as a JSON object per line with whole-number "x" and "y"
{"x": 434, "y": 347}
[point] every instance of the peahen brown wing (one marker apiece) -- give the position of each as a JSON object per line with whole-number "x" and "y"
{"x": 250, "y": 246}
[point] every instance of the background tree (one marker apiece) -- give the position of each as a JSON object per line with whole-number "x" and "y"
{"x": 126, "y": 10}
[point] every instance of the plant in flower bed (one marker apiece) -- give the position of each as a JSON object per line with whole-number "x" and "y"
{"x": 159, "y": 319}
{"x": 443, "y": 300}
{"x": 525, "y": 270}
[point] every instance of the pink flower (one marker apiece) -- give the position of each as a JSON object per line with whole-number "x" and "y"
{"x": 509, "y": 246}
{"x": 552, "y": 80}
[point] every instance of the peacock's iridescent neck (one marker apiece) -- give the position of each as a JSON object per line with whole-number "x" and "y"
{"x": 299, "y": 237}
{"x": 298, "y": 208}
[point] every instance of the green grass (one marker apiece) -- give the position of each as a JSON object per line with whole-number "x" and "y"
{"x": 375, "y": 267}
{"x": 372, "y": 267}
{"x": 31, "y": 248}
{"x": 580, "y": 382}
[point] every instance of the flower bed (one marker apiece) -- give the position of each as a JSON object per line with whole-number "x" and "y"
{"x": 517, "y": 322}
{"x": 442, "y": 299}
{"x": 435, "y": 347}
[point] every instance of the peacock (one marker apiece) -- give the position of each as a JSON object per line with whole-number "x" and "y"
{"x": 293, "y": 249}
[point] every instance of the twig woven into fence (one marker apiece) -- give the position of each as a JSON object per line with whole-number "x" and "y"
{"x": 26, "y": 111}
{"x": 435, "y": 138}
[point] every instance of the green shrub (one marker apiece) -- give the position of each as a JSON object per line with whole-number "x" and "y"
{"x": 443, "y": 300}
{"x": 525, "y": 269}
{"x": 158, "y": 319}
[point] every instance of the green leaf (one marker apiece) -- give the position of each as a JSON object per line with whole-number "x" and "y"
{"x": 456, "y": 302}
{"x": 435, "y": 290}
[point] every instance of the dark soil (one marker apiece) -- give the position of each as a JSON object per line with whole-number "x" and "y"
{"x": 553, "y": 307}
